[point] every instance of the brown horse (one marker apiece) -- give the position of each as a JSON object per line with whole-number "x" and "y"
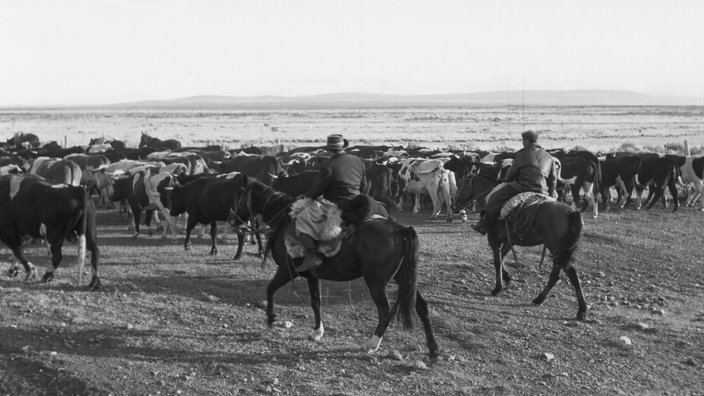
{"x": 556, "y": 225}
{"x": 378, "y": 250}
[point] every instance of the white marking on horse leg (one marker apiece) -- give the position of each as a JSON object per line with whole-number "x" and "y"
{"x": 372, "y": 345}
{"x": 317, "y": 334}
{"x": 81, "y": 257}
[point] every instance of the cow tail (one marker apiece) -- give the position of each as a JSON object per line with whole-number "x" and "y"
{"x": 407, "y": 278}
{"x": 82, "y": 235}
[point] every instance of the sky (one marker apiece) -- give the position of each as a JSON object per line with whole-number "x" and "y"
{"x": 112, "y": 51}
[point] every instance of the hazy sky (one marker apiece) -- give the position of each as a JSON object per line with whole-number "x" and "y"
{"x": 106, "y": 51}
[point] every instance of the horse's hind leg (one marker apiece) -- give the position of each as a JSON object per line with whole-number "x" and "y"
{"x": 378, "y": 292}
{"x": 314, "y": 288}
{"x": 574, "y": 279}
{"x": 554, "y": 277}
{"x": 422, "y": 310}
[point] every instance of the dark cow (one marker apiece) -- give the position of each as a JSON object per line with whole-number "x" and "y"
{"x": 21, "y": 139}
{"x": 263, "y": 168}
{"x": 158, "y": 144}
{"x": 207, "y": 200}
{"x": 381, "y": 185}
{"x": 298, "y": 184}
{"x": 584, "y": 170}
{"x": 115, "y": 144}
{"x": 31, "y": 207}
{"x": 620, "y": 172}
{"x": 658, "y": 173}
{"x": 57, "y": 171}
{"x": 59, "y": 152}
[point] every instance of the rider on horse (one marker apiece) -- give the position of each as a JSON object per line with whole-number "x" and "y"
{"x": 532, "y": 170}
{"x": 342, "y": 178}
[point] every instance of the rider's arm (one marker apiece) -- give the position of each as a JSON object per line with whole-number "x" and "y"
{"x": 321, "y": 185}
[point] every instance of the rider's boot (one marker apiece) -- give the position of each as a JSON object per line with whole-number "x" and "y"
{"x": 312, "y": 258}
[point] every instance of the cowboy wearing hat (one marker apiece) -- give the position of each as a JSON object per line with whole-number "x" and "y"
{"x": 532, "y": 170}
{"x": 342, "y": 178}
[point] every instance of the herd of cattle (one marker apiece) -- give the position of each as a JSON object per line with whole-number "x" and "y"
{"x": 49, "y": 192}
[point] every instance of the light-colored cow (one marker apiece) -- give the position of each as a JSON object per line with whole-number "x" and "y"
{"x": 420, "y": 176}
{"x": 693, "y": 174}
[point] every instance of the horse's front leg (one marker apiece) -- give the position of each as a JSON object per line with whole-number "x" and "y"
{"x": 283, "y": 276}
{"x": 314, "y": 288}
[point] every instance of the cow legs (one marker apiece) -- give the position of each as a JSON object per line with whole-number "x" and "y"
{"x": 91, "y": 244}
{"x": 213, "y": 238}
{"x": 240, "y": 244}
{"x": 191, "y": 223}
{"x": 56, "y": 257}
{"x": 29, "y": 268}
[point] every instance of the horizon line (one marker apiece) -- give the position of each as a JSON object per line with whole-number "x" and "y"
{"x": 427, "y": 96}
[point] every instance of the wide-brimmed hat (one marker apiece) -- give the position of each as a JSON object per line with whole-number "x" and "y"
{"x": 531, "y": 136}
{"x": 336, "y": 142}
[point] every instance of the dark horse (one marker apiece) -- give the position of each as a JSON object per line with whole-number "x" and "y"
{"x": 156, "y": 143}
{"x": 556, "y": 225}
{"x": 378, "y": 250}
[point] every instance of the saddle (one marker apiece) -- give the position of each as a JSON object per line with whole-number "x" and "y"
{"x": 519, "y": 212}
{"x": 329, "y": 224}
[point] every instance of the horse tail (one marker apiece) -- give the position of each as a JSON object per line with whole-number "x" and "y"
{"x": 574, "y": 232}
{"x": 407, "y": 278}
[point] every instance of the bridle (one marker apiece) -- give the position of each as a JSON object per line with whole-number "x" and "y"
{"x": 248, "y": 195}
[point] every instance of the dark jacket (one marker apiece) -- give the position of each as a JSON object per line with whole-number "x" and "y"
{"x": 343, "y": 177}
{"x": 533, "y": 170}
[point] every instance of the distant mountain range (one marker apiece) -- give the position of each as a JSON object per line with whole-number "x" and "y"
{"x": 370, "y": 100}
{"x": 363, "y": 100}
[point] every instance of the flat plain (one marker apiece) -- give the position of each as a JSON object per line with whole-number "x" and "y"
{"x": 170, "y": 321}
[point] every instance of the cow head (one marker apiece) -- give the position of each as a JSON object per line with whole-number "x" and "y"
{"x": 241, "y": 209}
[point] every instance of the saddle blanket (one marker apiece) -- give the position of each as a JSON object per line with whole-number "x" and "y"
{"x": 318, "y": 218}
{"x": 524, "y": 200}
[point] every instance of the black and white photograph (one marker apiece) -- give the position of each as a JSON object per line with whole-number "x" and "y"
{"x": 337, "y": 197}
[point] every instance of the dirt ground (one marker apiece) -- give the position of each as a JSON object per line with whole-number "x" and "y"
{"x": 170, "y": 321}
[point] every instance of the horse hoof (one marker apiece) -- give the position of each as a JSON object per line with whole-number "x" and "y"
{"x": 495, "y": 292}
{"x": 372, "y": 345}
{"x": 538, "y": 300}
{"x": 13, "y": 272}
{"x": 187, "y": 247}
{"x": 213, "y": 252}
{"x": 48, "y": 277}
{"x": 95, "y": 284}
{"x": 317, "y": 334}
